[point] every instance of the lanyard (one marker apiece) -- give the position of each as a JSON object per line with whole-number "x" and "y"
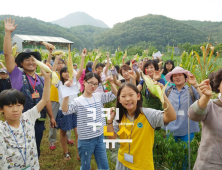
{"x": 88, "y": 102}
{"x": 33, "y": 86}
{"x": 17, "y": 141}
{"x": 130, "y": 132}
{"x": 178, "y": 94}
{"x": 4, "y": 84}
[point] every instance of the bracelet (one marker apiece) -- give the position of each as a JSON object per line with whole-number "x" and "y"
{"x": 196, "y": 86}
{"x": 110, "y": 123}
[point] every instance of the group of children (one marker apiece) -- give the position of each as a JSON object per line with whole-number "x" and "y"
{"x": 140, "y": 112}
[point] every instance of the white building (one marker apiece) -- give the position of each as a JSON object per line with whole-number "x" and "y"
{"x": 33, "y": 42}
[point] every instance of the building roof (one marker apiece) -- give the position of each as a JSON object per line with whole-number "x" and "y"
{"x": 42, "y": 38}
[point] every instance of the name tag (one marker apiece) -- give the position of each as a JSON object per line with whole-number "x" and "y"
{"x": 128, "y": 158}
{"x": 35, "y": 95}
{"x": 181, "y": 112}
{"x": 98, "y": 127}
{"x": 27, "y": 168}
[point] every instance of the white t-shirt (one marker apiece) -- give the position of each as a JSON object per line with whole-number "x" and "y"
{"x": 104, "y": 76}
{"x": 219, "y": 96}
{"x": 60, "y": 96}
{"x": 10, "y": 157}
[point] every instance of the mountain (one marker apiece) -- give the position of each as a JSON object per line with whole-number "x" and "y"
{"x": 32, "y": 26}
{"x": 160, "y": 30}
{"x": 212, "y": 29}
{"x": 157, "y": 30}
{"x": 79, "y": 18}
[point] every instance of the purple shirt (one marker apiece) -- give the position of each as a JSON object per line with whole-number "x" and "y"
{"x": 16, "y": 77}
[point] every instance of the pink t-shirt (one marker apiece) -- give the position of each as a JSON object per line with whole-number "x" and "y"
{"x": 82, "y": 79}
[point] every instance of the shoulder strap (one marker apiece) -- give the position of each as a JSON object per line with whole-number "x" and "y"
{"x": 191, "y": 94}
{"x": 169, "y": 90}
{"x": 217, "y": 102}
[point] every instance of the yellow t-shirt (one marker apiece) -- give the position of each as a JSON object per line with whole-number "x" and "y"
{"x": 54, "y": 94}
{"x": 142, "y": 143}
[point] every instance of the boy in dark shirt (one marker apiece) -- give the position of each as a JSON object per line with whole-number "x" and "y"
{"x": 4, "y": 81}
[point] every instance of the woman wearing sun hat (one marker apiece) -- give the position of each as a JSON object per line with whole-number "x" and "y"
{"x": 178, "y": 96}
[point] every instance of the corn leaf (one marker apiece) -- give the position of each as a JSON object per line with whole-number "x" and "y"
{"x": 70, "y": 64}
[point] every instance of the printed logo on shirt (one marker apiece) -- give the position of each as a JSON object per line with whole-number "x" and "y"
{"x": 139, "y": 125}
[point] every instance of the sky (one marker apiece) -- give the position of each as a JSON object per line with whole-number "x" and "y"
{"x": 115, "y": 11}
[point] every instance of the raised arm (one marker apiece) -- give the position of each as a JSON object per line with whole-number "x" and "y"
{"x": 113, "y": 87}
{"x": 110, "y": 123}
{"x": 114, "y": 73}
{"x": 192, "y": 80}
{"x": 124, "y": 57}
{"x": 2, "y": 65}
{"x": 46, "y": 91}
{"x": 84, "y": 52}
{"x": 7, "y": 45}
{"x": 107, "y": 66}
{"x": 169, "y": 112}
{"x": 135, "y": 68}
{"x": 94, "y": 65}
{"x": 56, "y": 62}
{"x": 197, "y": 111}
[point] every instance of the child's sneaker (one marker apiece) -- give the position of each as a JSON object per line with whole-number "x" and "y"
{"x": 52, "y": 146}
{"x": 70, "y": 142}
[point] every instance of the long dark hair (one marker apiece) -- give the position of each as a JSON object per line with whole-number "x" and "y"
{"x": 122, "y": 110}
{"x": 164, "y": 69}
{"x": 89, "y": 64}
{"x": 64, "y": 69}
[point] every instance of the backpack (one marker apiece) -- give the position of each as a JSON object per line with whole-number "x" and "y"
{"x": 190, "y": 90}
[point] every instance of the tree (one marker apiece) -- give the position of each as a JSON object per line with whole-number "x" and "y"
{"x": 2, "y": 31}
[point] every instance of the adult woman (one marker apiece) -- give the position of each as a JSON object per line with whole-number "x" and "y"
{"x": 208, "y": 112}
{"x": 168, "y": 67}
{"x": 151, "y": 69}
{"x": 178, "y": 96}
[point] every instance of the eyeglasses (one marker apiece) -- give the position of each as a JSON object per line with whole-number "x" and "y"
{"x": 91, "y": 84}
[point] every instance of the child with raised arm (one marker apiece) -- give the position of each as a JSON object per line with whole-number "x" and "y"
{"x": 88, "y": 109}
{"x": 140, "y": 124}
{"x": 17, "y": 134}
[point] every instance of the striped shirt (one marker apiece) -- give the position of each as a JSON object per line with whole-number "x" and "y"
{"x": 80, "y": 105}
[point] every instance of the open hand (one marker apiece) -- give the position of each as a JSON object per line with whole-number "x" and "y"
{"x": 157, "y": 74}
{"x": 205, "y": 87}
{"x": 9, "y": 25}
{"x": 191, "y": 79}
{"x": 132, "y": 74}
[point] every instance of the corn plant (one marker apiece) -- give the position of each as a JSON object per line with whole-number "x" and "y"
{"x": 207, "y": 62}
{"x": 117, "y": 60}
{"x": 188, "y": 62}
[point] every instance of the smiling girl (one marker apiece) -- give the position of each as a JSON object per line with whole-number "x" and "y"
{"x": 140, "y": 123}
{"x": 88, "y": 109}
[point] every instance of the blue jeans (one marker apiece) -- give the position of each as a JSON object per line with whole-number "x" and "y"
{"x": 94, "y": 146}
